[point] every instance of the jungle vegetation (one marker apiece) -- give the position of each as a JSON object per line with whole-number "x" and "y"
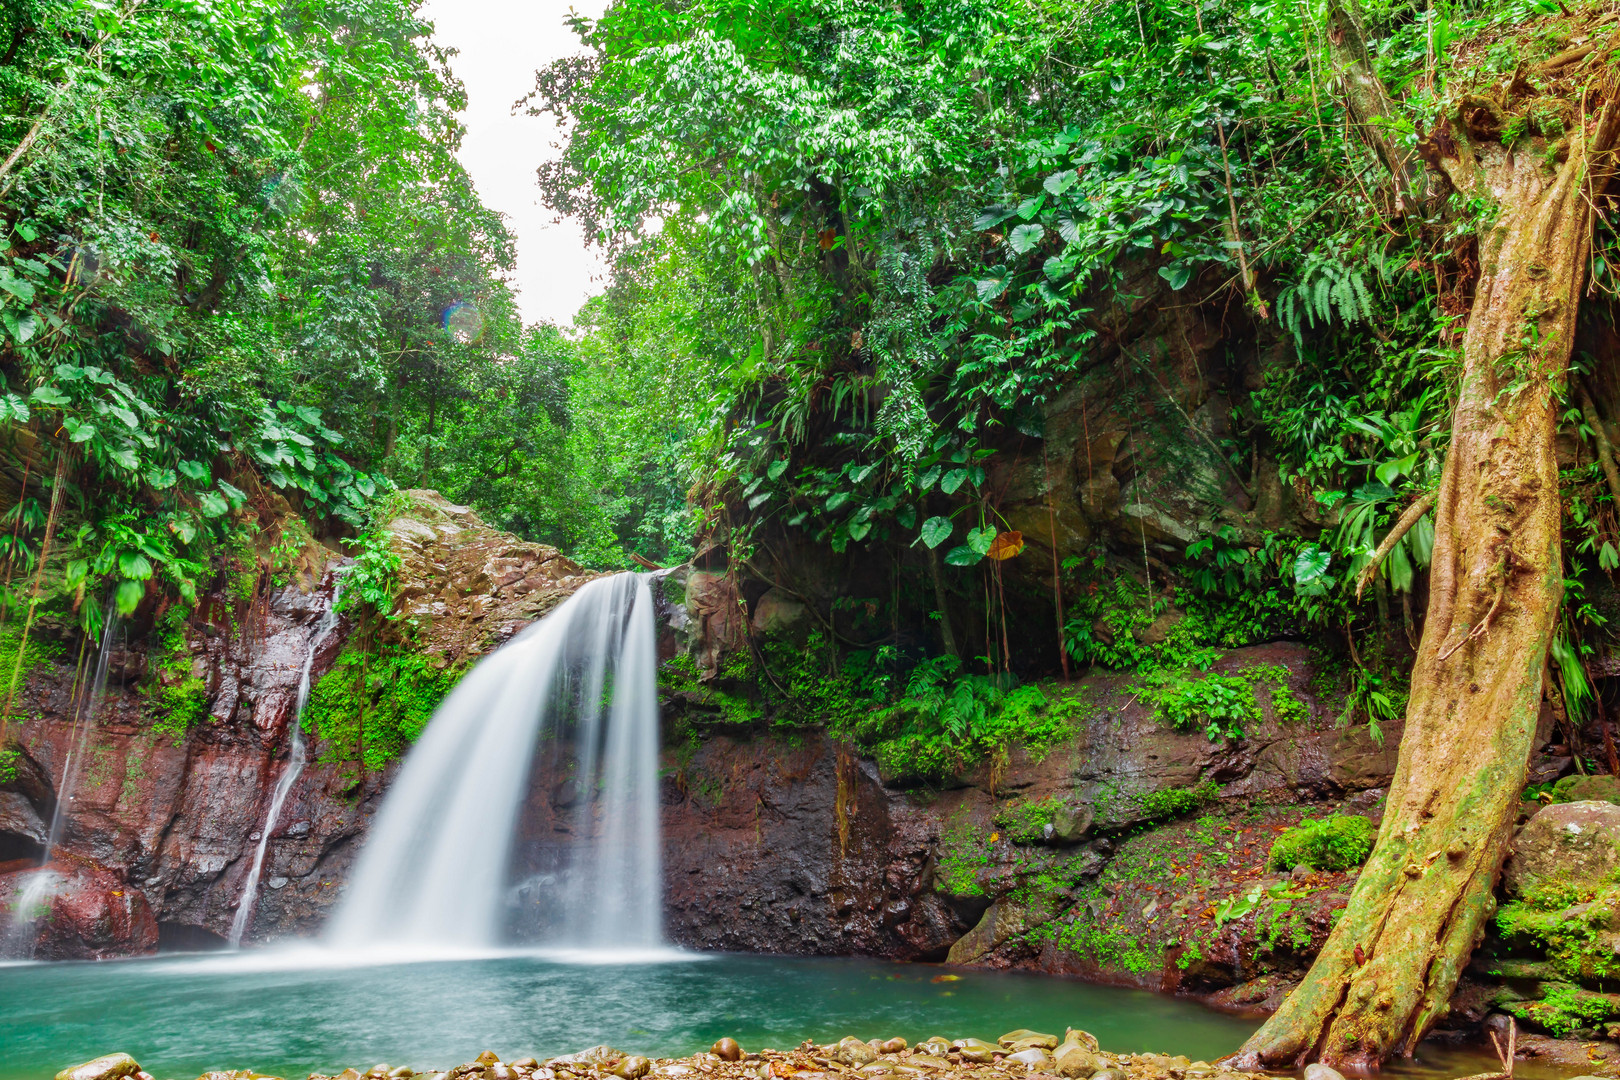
{"x": 860, "y": 252}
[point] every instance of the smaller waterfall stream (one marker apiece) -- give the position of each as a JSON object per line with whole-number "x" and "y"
{"x": 34, "y": 898}
{"x": 289, "y": 776}
{"x": 435, "y": 870}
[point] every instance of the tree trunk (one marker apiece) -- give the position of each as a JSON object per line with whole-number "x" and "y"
{"x": 1370, "y": 105}
{"x": 1390, "y": 965}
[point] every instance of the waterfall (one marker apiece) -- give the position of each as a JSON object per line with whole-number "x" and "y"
{"x": 34, "y": 899}
{"x": 289, "y": 776}
{"x": 435, "y": 870}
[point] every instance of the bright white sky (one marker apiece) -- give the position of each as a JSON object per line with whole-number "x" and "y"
{"x": 501, "y": 42}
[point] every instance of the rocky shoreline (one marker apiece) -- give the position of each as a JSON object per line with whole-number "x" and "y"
{"x": 1025, "y": 1054}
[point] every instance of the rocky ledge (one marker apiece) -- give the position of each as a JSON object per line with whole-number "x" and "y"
{"x": 1027, "y": 1055}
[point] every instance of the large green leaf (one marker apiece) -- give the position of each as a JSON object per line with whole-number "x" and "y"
{"x": 128, "y": 597}
{"x": 935, "y": 531}
{"x": 1025, "y": 237}
{"x": 963, "y": 556}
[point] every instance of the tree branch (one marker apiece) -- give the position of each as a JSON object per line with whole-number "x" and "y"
{"x": 1605, "y": 452}
{"x": 1413, "y": 515}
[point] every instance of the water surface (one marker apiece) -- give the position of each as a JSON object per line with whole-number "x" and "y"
{"x": 292, "y": 1012}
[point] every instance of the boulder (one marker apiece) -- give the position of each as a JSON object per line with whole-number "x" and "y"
{"x": 1568, "y": 845}
{"x": 781, "y": 614}
{"x": 87, "y": 912}
{"x": 1072, "y": 823}
{"x": 108, "y": 1067}
{"x": 976, "y": 1050}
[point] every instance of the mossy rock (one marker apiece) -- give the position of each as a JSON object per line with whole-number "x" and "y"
{"x": 1587, "y": 789}
{"x": 1571, "y": 847}
{"x": 1337, "y": 842}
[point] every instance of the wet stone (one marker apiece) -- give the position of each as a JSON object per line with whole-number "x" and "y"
{"x": 108, "y": 1067}
{"x": 854, "y": 1052}
{"x": 727, "y": 1050}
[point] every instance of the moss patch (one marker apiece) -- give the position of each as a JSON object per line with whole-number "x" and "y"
{"x": 1336, "y": 842}
{"x": 374, "y": 703}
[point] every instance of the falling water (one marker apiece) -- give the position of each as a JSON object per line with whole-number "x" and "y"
{"x": 34, "y": 899}
{"x": 434, "y": 872}
{"x": 289, "y": 776}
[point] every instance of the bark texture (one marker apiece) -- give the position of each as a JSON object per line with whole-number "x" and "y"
{"x": 1389, "y": 968}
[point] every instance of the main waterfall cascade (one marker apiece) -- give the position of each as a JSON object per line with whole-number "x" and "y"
{"x": 434, "y": 872}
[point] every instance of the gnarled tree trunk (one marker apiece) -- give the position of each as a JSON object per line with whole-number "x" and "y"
{"x": 1389, "y": 967}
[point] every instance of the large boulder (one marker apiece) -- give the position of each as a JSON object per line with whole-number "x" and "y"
{"x": 466, "y": 587}
{"x": 84, "y": 912}
{"x": 1573, "y": 846}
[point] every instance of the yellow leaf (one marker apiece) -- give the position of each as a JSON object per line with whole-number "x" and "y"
{"x": 1006, "y": 545}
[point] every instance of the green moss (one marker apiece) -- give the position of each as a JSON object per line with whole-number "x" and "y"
{"x": 177, "y": 709}
{"x": 8, "y": 763}
{"x": 175, "y": 701}
{"x": 1337, "y": 842}
{"x": 1024, "y": 821}
{"x": 1174, "y": 801}
{"x": 373, "y": 704}
{"x": 963, "y": 852}
{"x": 1570, "y": 926}
{"x": 1107, "y": 946}
{"x": 19, "y": 660}
{"x": 1565, "y": 1009}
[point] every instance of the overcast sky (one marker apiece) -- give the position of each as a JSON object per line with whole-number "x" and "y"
{"x": 501, "y": 42}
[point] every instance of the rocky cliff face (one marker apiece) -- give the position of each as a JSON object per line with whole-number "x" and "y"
{"x": 792, "y": 844}
{"x": 172, "y": 770}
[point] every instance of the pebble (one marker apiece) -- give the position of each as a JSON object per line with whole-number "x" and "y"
{"x": 1022, "y": 1053}
{"x": 1318, "y": 1071}
{"x": 976, "y": 1050}
{"x": 853, "y": 1052}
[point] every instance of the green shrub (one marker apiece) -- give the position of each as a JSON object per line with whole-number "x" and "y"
{"x": 1222, "y": 706}
{"x": 1338, "y": 842}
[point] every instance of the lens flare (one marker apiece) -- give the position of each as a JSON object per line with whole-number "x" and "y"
{"x": 464, "y": 322}
{"x": 282, "y": 194}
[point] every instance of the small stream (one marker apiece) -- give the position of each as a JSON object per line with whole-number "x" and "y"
{"x": 288, "y": 1013}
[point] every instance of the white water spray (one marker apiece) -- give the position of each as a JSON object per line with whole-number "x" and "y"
{"x": 295, "y": 766}
{"x": 434, "y": 872}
